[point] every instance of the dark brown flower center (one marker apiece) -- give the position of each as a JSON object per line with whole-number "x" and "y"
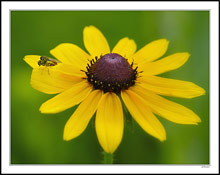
{"x": 111, "y": 73}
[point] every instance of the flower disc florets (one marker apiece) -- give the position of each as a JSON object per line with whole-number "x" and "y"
{"x": 111, "y": 73}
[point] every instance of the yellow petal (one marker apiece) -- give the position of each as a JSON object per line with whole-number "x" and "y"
{"x": 166, "y": 64}
{"x": 151, "y": 51}
{"x": 171, "y": 87}
{"x": 49, "y": 81}
{"x": 71, "y": 54}
{"x": 73, "y": 96}
{"x": 81, "y": 117}
{"x": 109, "y": 122}
{"x": 32, "y": 60}
{"x": 95, "y": 42}
{"x": 166, "y": 108}
{"x": 69, "y": 69}
{"x": 143, "y": 115}
{"x": 125, "y": 47}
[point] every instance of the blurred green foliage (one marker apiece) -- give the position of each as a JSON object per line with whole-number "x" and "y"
{"x": 37, "y": 138}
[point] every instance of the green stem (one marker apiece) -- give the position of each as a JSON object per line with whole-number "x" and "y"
{"x": 108, "y": 158}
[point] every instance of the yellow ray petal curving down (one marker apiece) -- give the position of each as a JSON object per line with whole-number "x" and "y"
{"x": 109, "y": 122}
{"x": 143, "y": 115}
{"x": 81, "y": 117}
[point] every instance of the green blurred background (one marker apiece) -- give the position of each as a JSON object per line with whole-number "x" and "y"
{"x": 37, "y": 138}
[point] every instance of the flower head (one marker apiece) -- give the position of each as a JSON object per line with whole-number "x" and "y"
{"x": 96, "y": 80}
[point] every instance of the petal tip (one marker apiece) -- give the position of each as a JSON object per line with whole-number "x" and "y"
{"x": 166, "y": 41}
{"x": 66, "y": 134}
{"x": 25, "y": 58}
{"x": 163, "y": 139}
{"x": 43, "y": 110}
{"x": 197, "y": 121}
{"x": 162, "y": 41}
{"x": 66, "y": 138}
{"x": 186, "y": 54}
{"x": 202, "y": 91}
{"x": 90, "y": 26}
{"x": 199, "y": 92}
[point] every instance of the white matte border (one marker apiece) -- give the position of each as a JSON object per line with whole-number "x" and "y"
{"x": 134, "y": 169}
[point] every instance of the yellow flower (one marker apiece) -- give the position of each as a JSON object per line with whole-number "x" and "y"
{"x": 96, "y": 80}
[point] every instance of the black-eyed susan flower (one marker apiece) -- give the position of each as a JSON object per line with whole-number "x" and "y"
{"x": 97, "y": 80}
